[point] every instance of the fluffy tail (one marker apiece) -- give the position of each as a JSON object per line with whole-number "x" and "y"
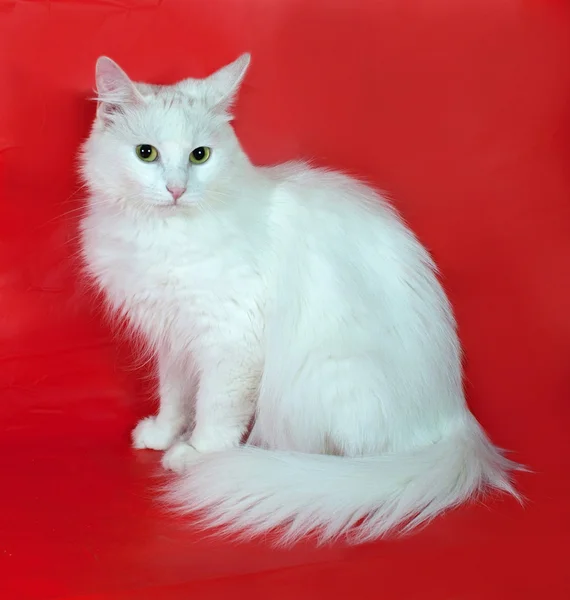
{"x": 252, "y": 491}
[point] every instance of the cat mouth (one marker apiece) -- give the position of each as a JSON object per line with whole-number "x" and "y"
{"x": 173, "y": 204}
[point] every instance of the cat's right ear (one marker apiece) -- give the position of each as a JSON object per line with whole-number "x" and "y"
{"x": 114, "y": 88}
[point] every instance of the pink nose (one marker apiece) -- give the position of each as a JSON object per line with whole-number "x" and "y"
{"x": 176, "y": 191}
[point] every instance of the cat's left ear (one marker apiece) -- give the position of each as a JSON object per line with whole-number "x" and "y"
{"x": 223, "y": 85}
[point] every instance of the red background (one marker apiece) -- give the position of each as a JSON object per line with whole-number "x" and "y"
{"x": 459, "y": 110}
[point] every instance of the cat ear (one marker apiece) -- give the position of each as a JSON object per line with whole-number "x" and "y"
{"x": 224, "y": 84}
{"x": 114, "y": 88}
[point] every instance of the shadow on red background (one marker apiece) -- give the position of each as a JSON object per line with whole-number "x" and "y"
{"x": 460, "y": 111}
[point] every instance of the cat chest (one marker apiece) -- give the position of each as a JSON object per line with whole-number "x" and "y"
{"x": 164, "y": 287}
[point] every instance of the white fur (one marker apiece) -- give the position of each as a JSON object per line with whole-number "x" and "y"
{"x": 300, "y": 302}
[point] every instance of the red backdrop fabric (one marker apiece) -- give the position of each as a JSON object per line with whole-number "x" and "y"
{"x": 459, "y": 110}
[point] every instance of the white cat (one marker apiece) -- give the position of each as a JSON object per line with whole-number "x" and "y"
{"x": 288, "y": 298}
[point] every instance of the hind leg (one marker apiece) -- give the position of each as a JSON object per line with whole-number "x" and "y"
{"x": 331, "y": 406}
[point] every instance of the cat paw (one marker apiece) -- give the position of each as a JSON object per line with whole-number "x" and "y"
{"x": 179, "y": 457}
{"x": 154, "y": 434}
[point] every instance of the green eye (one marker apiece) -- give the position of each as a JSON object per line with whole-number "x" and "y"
{"x": 200, "y": 155}
{"x": 147, "y": 152}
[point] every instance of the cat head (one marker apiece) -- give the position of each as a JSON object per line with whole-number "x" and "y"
{"x": 162, "y": 146}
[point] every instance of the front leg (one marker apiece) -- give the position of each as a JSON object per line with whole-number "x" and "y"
{"x": 159, "y": 432}
{"x": 225, "y": 403}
